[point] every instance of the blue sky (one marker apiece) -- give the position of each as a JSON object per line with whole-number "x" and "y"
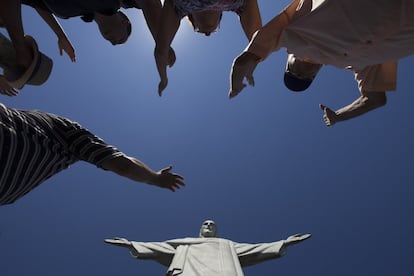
{"x": 263, "y": 165}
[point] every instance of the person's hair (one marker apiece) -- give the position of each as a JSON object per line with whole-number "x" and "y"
{"x": 129, "y": 26}
{"x": 126, "y": 22}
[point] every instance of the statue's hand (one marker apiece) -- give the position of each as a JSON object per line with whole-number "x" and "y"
{"x": 118, "y": 241}
{"x": 296, "y": 238}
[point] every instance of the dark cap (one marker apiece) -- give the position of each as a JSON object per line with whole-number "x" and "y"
{"x": 299, "y": 74}
{"x": 294, "y": 83}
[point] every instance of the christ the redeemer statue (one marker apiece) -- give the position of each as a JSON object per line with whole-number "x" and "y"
{"x": 207, "y": 255}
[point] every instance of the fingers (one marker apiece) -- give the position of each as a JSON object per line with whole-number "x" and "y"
{"x": 71, "y": 53}
{"x": 250, "y": 80}
{"x": 243, "y": 67}
{"x": 162, "y": 72}
{"x": 326, "y": 120}
{"x": 112, "y": 241}
{"x": 306, "y": 236}
{"x": 72, "y": 56}
{"x": 329, "y": 116}
{"x": 171, "y": 57}
{"x": 9, "y": 91}
{"x": 236, "y": 80}
{"x": 6, "y": 88}
{"x": 168, "y": 180}
{"x": 294, "y": 239}
{"x": 161, "y": 86}
{"x": 118, "y": 241}
{"x": 177, "y": 182}
{"x": 234, "y": 92}
{"x": 236, "y": 84}
{"x": 167, "y": 169}
{"x": 69, "y": 50}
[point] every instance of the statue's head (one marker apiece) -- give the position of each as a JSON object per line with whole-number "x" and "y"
{"x": 208, "y": 229}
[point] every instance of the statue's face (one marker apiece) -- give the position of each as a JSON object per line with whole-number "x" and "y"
{"x": 208, "y": 229}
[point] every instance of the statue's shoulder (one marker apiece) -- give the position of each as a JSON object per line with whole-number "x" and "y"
{"x": 184, "y": 241}
{"x": 189, "y": 241}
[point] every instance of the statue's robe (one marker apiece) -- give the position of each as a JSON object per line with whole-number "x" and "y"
{"x": 206, "y": 256}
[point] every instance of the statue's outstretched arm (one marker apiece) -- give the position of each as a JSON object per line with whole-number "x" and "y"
{"x": 294, "y": 239}
{"x": 119, "y": 242}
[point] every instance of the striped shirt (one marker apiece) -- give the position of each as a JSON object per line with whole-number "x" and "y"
{"x": 185, "y": 7}
{"x": 35, "y": 145}
{"x": 86, "y": 8}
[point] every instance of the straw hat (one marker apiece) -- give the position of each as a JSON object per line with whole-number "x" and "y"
{"x": 37, "y": 73}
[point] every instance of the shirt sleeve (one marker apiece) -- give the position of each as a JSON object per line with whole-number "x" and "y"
{"x": 94, "y": 150}
{"x": 82, "y": 143}
{"x": 377, "y": 78}
{"x": 127, "y": 4}
{"x": 268, "y": 38}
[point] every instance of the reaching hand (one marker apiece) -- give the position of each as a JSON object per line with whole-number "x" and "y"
{"x": 296, "y": 239}
{"x": 171, "y": 57}
{"x": 65, "y": 45}
{"x": 243, "y": 67}
{"x": 6, "y": 88}
{"x": 329, "y": 115}
{"x": 162, "y": 85}
{"x": 163, "y": 60}
{"x": 166, "y": 179}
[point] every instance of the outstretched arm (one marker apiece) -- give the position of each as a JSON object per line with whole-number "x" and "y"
{"x": 152, "y": 10}
{"x": 11, "y": 17}
{"x": 169, "y": 24}
{"x": 365, "y": 103}
{"x": 63, "y": 41}
{"x": 119, "y": 242}
{"x": 161, "y": 252}
{"x": 250, "y": 18}
{"x": 250, "y": 254}
{"x": 136, "y": 170}
{"x": 263, "y": 43}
